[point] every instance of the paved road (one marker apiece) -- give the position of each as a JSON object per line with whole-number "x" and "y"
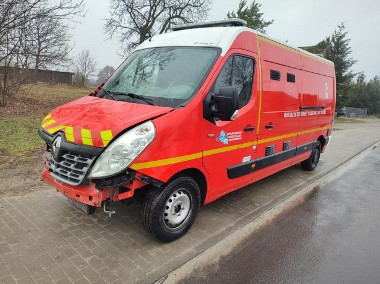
{"x": 44, "y": 238}
{"x": 334, "y": 237}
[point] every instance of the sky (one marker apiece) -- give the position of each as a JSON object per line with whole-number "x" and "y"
{"x": 297, "y": 22}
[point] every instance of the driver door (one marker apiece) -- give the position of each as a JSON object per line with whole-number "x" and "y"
{"x": 228, "y": 145}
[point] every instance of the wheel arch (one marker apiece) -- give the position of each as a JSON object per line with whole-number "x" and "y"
{"x": 322, "y": 140}
{"x": 199, "y": 178}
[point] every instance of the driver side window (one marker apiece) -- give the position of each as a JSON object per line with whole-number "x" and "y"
{"x": 238, "y": 72}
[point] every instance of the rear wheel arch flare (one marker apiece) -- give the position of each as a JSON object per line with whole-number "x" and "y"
{"x": 322, "y": 140}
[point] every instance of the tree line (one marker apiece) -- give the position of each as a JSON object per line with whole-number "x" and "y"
{"x": 352, "y": 89}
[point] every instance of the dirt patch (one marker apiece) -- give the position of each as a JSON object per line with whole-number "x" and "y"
{"x": 21, "y": 106}
{"x": 19, "y": 178}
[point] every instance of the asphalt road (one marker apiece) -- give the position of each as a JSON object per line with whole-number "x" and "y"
{"x": 333, "y": 237}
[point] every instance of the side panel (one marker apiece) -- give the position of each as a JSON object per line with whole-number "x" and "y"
{"x": 327, "y": 96}
{"x": 280, "y": 101}
{"x": 310, "y": 108}
{"x": 280, "y": 104}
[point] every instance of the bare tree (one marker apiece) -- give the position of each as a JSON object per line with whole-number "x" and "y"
{"x": 104, "y": 74}
{"x": 16, "y": 41}
{"x": 134, "y": 21}
{"x": 46, "y": 43}
{"x": 85, "y": 66}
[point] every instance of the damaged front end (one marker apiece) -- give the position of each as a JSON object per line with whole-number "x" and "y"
{"x": 68, "y": 167}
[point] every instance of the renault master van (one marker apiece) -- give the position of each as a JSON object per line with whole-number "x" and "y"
{"x": 190, "y": 116}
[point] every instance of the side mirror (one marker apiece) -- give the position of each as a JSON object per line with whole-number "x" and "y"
{"x": 225, "y": 104}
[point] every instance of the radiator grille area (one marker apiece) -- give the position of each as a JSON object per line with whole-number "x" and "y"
{"x": 70, "y": 168}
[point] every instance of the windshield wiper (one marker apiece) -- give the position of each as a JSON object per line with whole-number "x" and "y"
{"x": 110, "y": 95}
{"x": 141, "y": 98}
{"x": 118, "y": 96}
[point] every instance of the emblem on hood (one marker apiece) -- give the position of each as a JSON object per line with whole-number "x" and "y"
{"x": 56, "y": 148}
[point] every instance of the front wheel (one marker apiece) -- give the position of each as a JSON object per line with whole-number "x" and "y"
{"x": 311, "y": 163}
{"x": 168, "y": 213}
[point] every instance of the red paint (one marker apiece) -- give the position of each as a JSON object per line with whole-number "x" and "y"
{"x": 183, "y": 132}
{"x": 97, "y": 114}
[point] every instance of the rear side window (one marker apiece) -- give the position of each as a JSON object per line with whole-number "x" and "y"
{"x": 238, "y": 72}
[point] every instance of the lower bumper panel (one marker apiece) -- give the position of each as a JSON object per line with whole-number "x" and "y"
{"x": 85, "y": 194}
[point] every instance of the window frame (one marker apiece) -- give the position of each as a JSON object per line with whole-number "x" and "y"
{"x": 231, "y": 74}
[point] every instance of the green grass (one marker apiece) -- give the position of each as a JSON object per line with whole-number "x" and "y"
{"x": 21, "y": 118}
{"x": 348, "y": 120}
{"x": 18, "y": 136}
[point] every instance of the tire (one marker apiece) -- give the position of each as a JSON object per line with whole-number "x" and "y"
{"x": 311, "y": 163}
{"x": 169, "y": 212}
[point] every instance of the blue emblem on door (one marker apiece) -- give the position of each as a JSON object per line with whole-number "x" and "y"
{"x": 223, "y": 137}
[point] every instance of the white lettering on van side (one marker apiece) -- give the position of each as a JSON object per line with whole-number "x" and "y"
{"x": 304, "y": 113}
{"x": 230, "y": 136}
{"x": 233, "y": 136}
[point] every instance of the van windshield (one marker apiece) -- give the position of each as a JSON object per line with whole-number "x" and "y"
{"x": 166, "y": 76}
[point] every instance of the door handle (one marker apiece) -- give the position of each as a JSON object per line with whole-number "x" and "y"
{"x": 249, "y": 128}
{"x": 269, "y": 126}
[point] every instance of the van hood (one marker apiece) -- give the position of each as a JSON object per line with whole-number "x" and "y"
{"x": 95, "y": 121}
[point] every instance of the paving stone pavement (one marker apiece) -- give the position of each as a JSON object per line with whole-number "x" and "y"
{"x": 45, "y": 238}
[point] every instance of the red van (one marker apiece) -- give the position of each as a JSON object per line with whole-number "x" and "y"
{"x": 190, "y": 116}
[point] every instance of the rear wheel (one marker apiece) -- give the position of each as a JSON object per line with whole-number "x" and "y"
{"x": 311, "y": 163}
{"x": 168, "y": 213}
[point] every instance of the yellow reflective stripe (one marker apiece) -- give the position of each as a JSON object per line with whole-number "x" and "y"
{"x": 262, "y": 141}
{"x": 86, "y": 137}
{"x": 170, "y": 161}
{"x": 47, "y": 117}
{"x": 55, "y": 129}
{"x": 106, "y": 136}
{"x": 69, "y": 132}
{"x": 47, "y": 123}
{"x": 166, "y": 162}
{"x": 313, "y": 130}
{"x": 227, "y": 149}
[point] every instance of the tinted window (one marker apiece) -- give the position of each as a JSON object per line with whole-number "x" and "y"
{"x": 238, "y": 72}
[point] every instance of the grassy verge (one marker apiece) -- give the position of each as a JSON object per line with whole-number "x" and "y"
{"x": 18, "y": 137}
{"x": 54, "y": 93}
{"x": 22, "y": 116}
{"x": 348, "y": 120}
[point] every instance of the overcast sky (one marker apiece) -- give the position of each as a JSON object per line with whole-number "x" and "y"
{"x": 299, "y": 22}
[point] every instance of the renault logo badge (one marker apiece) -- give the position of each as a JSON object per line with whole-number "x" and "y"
{"x": 56, "y": 148}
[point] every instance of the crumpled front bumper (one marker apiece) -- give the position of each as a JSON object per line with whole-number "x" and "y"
{"x": 85, "y": 194}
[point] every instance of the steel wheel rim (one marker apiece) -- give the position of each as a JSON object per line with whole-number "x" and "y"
{"x": 177, "y": 208}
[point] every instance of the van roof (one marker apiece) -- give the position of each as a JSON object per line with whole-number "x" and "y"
{"x": 221, "y": 37}
{"x": 212, "y": 34}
